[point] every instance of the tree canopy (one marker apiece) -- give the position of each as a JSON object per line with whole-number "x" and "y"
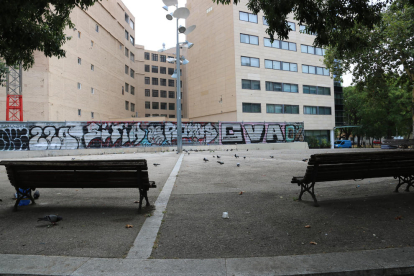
{"x": 27, "y": 26}
{"x": 328, "y": 19}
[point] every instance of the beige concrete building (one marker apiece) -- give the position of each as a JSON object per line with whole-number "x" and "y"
{"x": 236, "y": 74}
{"x": 160, "y": 88}
{"x": 102, "y": 76}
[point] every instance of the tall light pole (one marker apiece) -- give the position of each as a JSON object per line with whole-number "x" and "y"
{"x": 179, "y": 13}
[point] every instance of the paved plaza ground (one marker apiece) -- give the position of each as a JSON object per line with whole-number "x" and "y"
{"x": 266, "y": 220}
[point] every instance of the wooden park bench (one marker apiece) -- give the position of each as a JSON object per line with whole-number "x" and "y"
{"x": 357, "y": 165}
{"x": 26, "y": 176}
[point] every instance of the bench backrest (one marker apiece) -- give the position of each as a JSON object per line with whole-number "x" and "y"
{"x": 78, "y": 173}
{"x": 359, "y": 165}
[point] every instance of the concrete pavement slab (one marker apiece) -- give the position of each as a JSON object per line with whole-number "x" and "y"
{"x": 94, "y": 220}
{"x": 39, "y": 265}
{"x": 125, "y": 267}
{"x": 266, "y": 220}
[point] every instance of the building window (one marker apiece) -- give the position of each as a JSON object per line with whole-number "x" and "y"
{"x": 146, "y": 56}
{"x": 132, "y": 24}
{"x": 155, "y": 93}
{"x": 126, "y": 18}
{"x": 170, "y": 71}
{"x": 163, "y": 94}
{"x": 154, "y": 57}
{"x": 79, "y": 112}
{"x": 126, "y": 87}
{"x": 147, "y": 115}
{"x": 171, "y": 116}
{"x": 312, "y": 50}
{"x": 248, "y": 17}
{"x": 126, "y": 69}
{"x": 147, "y": 93}
{"x": 171, "y": 83}
{"x": 164, "y": 106}
{"x": 308, "y": 69}
{"x": 281, "y": 65}
{"x": 121, "y": 46}
{"x": 281, "y": 87}
{"x": 155, "y": 105}
{"x": 132, "y": 90}
{"x": 251, "y": 84}
{"x": 79, "y": 61}
{"x": 170, "y": 57}
{"x": 132, "y": 57}
{"x": 316, "y": 90}
{"x": 249, "y": 61}
{"x": 252, "y": 108}
{"x": 126, "y": 52}
{"x": 164, "y": 115}
{"x": 126, "y": 105}
{"x": 171, "y": 94}
{"x": 171, "y": 106}
{"x": 79, "y": 86}
{"x": 147, "y": 105}
{"x": 122, "y": 90}
{"x": 132, "y": 40}
{"x": 155, "y": 69}
{"x": 154, "y": 81}
{"x": 132, "y": 73}
{"x": 155, "y": 115}
{"x": 92, "y": 115}
{"x": 92, "y": 67}
{"x": 147, "y": 68}
{"x": 163, "y": 58}
{"x": 282, "y": 109}
{"x": 132, "y": 107}
{"x": 292, "y": 25}
{"x": 304, "y": 30}
{"x": 279, "y": 44}
{"x": 249, "y": 39}
{"x": 92, "y": 90}
{"x": 126, "y": 35}
{"x": 163, "y": 82}
{"x": 317, "y": 110}
{"x": 79, "y": 34}
{"x": 147, "y": 80}
{"x": 163, "y": 70}
{"x": 97, "y": 28}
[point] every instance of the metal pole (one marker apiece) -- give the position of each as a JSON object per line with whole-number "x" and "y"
{"x": 179, "y": 128}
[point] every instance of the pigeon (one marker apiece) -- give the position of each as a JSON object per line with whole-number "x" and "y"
{"x": 218, "y": 156}
{"x": 227, "y": 149}
{"x": 156, "y": 164}
{"x": 221, "y": 163}
{"x": 51, "y": 218}
{"x": 236, "y": 156}
{"x": 205, "y": 159}
{"x": 304, "y": 160}
{"x": 36, "y": 195}
{"x": 247, "y": 150}
{"x": 238, "y": 164}
{"x": 231, "y": 150}
{"x": 244, "y": 157}
{"x": 214, "y": 156}
{"x": 271, "y": 156}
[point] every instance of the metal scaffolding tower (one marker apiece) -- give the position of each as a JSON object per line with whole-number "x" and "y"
{"x": 14, "y": 110}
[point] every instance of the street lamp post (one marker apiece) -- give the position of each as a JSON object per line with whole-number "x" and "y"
{"x": 179, "y": 13}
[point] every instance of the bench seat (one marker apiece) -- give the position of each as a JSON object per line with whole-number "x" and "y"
{"x": 33, "y": 174}
{"x": 353, "y": 166}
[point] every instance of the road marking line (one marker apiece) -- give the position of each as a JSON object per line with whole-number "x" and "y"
{"x": 142, "y": 247}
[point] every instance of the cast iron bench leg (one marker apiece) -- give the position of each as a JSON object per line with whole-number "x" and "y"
{"x": 21, "y": 196}
{"x": 310, "y": 188}
{"x": 142, "y": 195}
{"x": 404, "y": 180}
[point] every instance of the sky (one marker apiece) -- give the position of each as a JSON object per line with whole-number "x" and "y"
{"x": 152, "y": 28}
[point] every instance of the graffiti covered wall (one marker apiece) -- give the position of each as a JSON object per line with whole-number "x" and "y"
{"x": 86, "y": 135}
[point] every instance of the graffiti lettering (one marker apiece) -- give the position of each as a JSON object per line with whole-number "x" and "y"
{"x": 78, "y": 135}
